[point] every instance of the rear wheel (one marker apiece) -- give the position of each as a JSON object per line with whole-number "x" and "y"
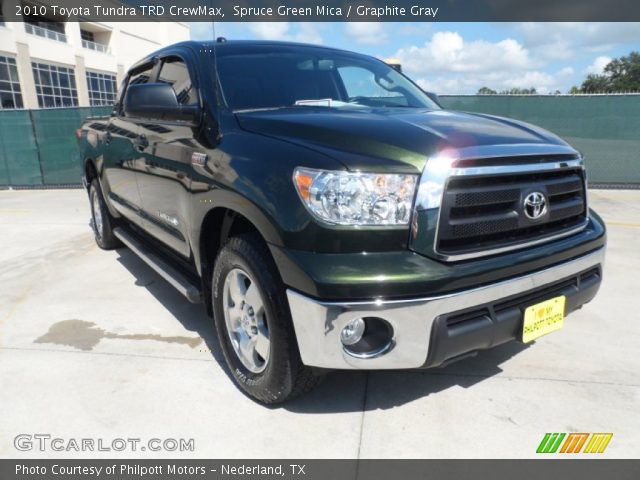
{"x": 101, "y": 220}
{"x": 254, "y": 325}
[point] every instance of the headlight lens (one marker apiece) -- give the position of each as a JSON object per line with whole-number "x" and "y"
{"x": 348, "y": 198}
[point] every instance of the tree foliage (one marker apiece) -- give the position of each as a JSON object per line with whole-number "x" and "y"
{"x": 486, "y": 91}
{"x": 620, "y": 75}
{"x": 519, "y": 91}
{"x": 596, "y": 84}
{"x": 512, "y": 91}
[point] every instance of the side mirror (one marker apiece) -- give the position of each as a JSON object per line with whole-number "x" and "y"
{"x": 157, "y": 101}
{"x": 434, "y": 98}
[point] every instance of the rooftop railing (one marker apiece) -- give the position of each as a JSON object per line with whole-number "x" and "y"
{"x": 45, "y": 33}
{"x": 98, "y": 47}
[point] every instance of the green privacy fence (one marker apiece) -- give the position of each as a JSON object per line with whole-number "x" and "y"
{"x": 605, "y": 128}
{"x": 38, "y": 147}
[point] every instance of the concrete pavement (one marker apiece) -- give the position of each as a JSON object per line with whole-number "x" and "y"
{"x": 94, "y": 344}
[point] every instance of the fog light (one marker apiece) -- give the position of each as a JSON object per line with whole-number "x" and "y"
{"x": 367, "y": 337}
{"x": 352, "y": 332}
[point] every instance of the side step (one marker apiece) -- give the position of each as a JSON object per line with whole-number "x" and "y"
{"x": 166, "y": 271}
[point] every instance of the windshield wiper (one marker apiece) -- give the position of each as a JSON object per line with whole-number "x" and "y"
{"x": 260, "y": 109}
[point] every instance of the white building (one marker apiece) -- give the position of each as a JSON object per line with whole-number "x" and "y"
{"x": 58, "y": 64}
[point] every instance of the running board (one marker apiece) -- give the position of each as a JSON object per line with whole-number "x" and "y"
{"x": 179, "y": 281}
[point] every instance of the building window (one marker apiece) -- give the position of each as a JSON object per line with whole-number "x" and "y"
{"x": 87, "y": 35}
{"x": 10, "y": 94}
{"x": 55, "y": 86}
{"x": 102, "y": 88}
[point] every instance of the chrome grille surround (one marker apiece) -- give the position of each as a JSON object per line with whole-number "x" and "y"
{"x": 496, "y": 161}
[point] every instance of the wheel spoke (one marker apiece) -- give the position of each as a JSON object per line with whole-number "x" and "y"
{"x": 234, "y": 315}
{"x": 254, "y": 299}
{"x": 237, "y": 288}
{"x": 246, "y": 349}
{"x": 262, "y": 343}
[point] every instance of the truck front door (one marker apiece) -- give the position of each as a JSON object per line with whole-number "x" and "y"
{"x": 123, "y": 156}
{"x": 165, "y": 179}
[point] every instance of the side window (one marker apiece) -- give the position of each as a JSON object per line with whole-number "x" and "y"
{"x": 175, "y": 73}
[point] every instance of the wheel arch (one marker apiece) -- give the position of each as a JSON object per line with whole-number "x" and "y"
{"x": 217, "y": 226}
{"x": 89, "y": 170}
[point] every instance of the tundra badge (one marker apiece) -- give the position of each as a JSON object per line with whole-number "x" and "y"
{"x": 199, "y": 159}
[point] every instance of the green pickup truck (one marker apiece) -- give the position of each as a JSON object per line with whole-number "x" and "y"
{"x": 330, "y": 214}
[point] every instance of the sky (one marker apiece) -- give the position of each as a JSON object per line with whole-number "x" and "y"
{"x": 460, "y": 58}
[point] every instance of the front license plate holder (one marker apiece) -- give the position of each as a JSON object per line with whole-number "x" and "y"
{"x": 543, "y": 318}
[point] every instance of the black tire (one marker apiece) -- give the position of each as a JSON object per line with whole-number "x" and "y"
{"x": 284, "y": 376}
{"x": 102, "y": 230}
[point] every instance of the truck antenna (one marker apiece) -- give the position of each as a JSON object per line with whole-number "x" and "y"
{"x": 214, "y": 48}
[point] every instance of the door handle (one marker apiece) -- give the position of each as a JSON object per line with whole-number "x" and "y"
{"x": 141, "y": 142}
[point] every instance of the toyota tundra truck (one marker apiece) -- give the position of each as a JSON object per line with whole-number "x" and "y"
{"x": 330, "y": 214}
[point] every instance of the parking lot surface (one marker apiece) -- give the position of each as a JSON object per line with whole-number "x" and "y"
{"x": 94, "y": 344}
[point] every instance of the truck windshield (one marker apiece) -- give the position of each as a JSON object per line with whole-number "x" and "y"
{"x": 307, "y": 76}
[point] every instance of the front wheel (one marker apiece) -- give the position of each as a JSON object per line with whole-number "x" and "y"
{"x": 254, "y": 325}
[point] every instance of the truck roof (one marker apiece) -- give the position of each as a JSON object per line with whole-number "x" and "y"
{"x": 223, "y": 43}
{"x": 229, "y": 45}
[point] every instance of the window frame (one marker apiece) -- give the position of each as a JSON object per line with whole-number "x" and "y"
{"x": 101, "y": 93}
{"x": 11, "y": 61}
{"x": 54, "y": 71}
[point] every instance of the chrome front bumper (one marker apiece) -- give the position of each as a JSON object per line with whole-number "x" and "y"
{"x": 318, "y": 324}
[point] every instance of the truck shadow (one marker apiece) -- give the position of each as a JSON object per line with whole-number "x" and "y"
{"x": 341, "y": 391}
{"x": 193, "y": 317}
{"x": 382, "y": 390}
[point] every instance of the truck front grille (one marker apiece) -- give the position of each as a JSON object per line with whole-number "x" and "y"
{"x": 487, "y": 212}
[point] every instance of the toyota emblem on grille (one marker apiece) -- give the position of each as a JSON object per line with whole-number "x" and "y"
{"x": 535, "y": 205}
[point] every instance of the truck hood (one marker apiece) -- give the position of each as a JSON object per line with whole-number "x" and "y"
{"x": 392, "y": 139}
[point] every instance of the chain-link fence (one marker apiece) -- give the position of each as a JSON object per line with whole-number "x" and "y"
{"x": 38, "y": 147}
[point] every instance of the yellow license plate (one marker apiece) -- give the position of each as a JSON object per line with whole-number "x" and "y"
{"x": 542, "y": 318}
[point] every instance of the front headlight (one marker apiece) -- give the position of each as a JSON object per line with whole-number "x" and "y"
{"x": 348, "y": 198}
